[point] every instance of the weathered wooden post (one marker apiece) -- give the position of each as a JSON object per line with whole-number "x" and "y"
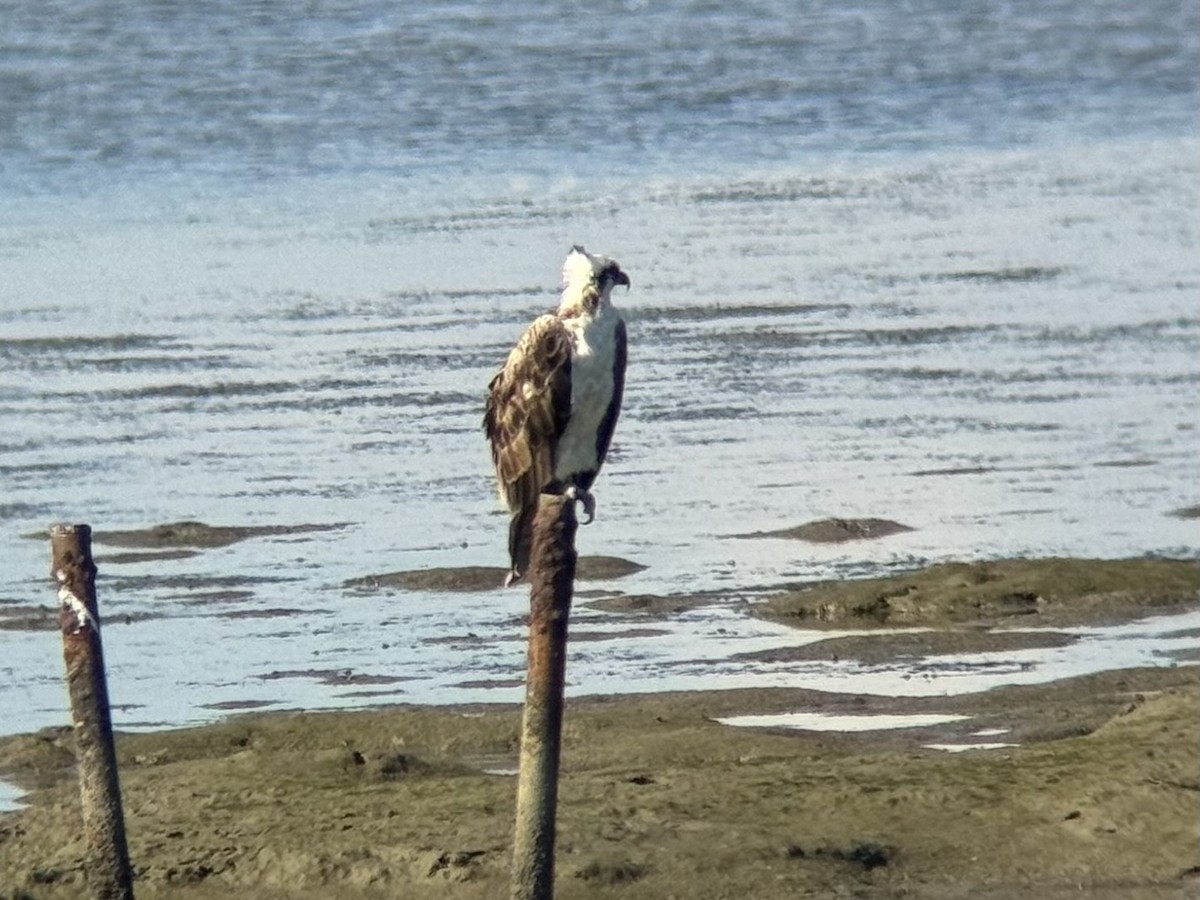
{"x": 551, "y": 581}
{"x": 108, "y": 873}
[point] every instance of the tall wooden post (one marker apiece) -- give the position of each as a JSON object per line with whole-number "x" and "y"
{"x": 108, "y": 873}
{"x": 551, "y": 581}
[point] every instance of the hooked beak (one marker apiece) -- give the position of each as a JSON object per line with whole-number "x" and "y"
{"x": 620, "y": 277}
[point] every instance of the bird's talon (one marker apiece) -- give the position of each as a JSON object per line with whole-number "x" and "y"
{"x": 577, "y": 495}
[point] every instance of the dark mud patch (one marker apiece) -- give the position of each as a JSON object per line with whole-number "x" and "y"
{"x": 585, "y": 636}
{"x": 709, "y": 313}
{"x": 1186, "y": 512}
{"x": 270, "y": 612}
{"x": 835, "y": 531}
{"x": 653, "y": 604}
{"x": 19, "y": 510}
{"x": 367, "y": 695}
{"x": 463, "y": 579}
{"x": 115, "y": 344}
{"x": 879, "y": 648}
{"x": 470, "y": 639}
{"x": 45, "y": 618}
{"x": 450, "y": 580}
{"x": 238, "y": 705}
{"x": 1184, "y": 633}
{"x": 959, "y": 470}
{"x": 603, "y": 568}
{"x": 490, "y": 683}
{"x": 1033, "y": 593}
{"x": 335, "y": 677}
{"x": 623, "y": 871}
{"x": 202, "y": 536}
{"x": 28, "y": 618}
{"x": 1017, "y": 274}
{"x": 192, "y": 586}
{"x": 866, "y": 854}
{"x": 1186, "y": 655}
{"x": 144, "y": 556}
{"x": 229, "y": 595}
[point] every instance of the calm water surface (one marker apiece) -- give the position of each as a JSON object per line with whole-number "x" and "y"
{"x": 930, "y": 262}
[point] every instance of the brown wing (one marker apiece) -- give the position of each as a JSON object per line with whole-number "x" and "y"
{"x": 527, "y": 408}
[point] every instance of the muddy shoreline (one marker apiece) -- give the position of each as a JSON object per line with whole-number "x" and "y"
{"x": 1086, "y": 784}
{"x": 658, "y": 799}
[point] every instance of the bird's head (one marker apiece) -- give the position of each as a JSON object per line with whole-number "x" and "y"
{"x": 588, "y": 279}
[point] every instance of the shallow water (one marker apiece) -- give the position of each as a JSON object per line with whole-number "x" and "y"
{"x": 92, "y": 94}
{"x": 962, "y": 296}
{"x": 10, "y": 797}
{"x": 827, "y": 722}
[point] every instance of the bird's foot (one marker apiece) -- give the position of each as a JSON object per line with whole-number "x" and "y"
{"x": 585, "y": 497}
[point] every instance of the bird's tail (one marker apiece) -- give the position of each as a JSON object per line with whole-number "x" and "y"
{"x": 520, "y": 542}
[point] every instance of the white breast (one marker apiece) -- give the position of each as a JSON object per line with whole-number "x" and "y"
{"x": 591, "y": 390}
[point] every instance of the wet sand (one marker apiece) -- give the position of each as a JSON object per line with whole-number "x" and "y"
{"x": 1095, "y": 794}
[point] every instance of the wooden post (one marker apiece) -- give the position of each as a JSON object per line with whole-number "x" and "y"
{"x": 108, "y": 873}
{"x": 551, "y": 580}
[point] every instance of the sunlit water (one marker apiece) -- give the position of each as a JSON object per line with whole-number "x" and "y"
{"x": 939, "y": 266}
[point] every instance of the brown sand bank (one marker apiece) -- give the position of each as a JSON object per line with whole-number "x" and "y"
{"x": 1011, "y": 593}
{"x": 1098, "y": 798}
{"x": 658, "y": 800}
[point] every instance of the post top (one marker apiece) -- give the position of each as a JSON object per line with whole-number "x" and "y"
{"x": 62, "y": 529}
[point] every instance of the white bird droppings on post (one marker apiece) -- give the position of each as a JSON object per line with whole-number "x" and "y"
{"x": 70, "y": 601}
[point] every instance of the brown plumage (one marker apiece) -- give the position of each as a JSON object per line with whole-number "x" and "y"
{"x": 551, "y": 409}
{"x": 526, "y": 412}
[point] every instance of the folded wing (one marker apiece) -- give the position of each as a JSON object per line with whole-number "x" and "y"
{"x": 527, "y": 409}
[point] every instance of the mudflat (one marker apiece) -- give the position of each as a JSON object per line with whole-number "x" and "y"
{"x": 1081, "y": 787}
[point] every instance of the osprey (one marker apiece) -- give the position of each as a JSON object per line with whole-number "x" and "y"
{"x": 551, "y": 409}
